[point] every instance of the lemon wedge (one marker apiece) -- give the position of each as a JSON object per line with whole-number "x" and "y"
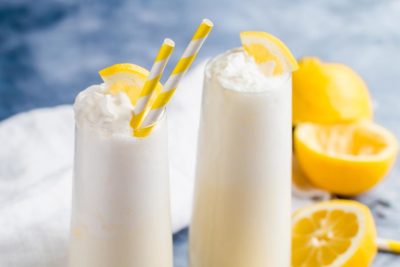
{"x": 270, "y": 53}
{"x": 336, "y": 233}
{"x": 127, "y": 78}
{"x": 346, "y": 159}
{"x": 329, "y": 93}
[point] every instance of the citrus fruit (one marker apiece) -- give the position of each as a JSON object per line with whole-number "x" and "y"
{"x": 345, "y": 159}
{"x": 270, "y": 53}
{"x": 328, "y": 93}
{"x": 303, "y": 188}
{"x": 336, "y": 233}
{"x": 127, "y": 78}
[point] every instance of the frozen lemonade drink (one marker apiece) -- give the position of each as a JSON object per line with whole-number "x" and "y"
{"x": 242, "y": 211}
{"x": 121, "y": 210}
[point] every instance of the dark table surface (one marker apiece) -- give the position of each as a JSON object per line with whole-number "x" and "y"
{"x": 50, "y": 50}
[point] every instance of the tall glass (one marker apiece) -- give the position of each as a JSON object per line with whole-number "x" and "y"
{"x": 121, "y": 210}
{"x": 241, "y": 215}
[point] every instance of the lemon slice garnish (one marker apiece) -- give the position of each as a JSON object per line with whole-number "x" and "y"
{"x": 337, "y": 233}
{"x": 270, "y": 53}
{"x": 127, "y": 78}
{"x": 346, "y": 159}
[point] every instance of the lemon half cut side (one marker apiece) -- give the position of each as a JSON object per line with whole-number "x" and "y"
{"x": 337, "y": 233}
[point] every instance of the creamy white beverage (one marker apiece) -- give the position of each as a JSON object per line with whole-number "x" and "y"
{"x": 241, "y": 215}
{"x": 120, "y": 212}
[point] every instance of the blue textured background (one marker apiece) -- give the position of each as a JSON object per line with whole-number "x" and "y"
{"x": 50, "y": 50}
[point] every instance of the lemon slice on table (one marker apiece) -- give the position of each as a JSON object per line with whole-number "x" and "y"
{"x": 270, "y": 53}
{"x": 345, "y": 159}
{"x": 127, "y": 78}
{"x": 336, "y": 233}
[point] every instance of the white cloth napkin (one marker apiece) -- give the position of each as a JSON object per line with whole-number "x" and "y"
{"x": 36, "y": 158}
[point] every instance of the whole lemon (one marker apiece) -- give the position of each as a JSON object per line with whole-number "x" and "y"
{"x": 328, "y": 93}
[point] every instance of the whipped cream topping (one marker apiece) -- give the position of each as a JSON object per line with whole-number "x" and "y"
{"x": 236, "y": 70}
{"x": 109, "y": 114}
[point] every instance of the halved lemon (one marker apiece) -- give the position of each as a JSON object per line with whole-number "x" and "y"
{"x": 125, "y": 77}
{"x": 345, "y": 159}
{"x": 270, "y": 53}
{"x": 336, "y": 233}
{"x": 302, "y": 187}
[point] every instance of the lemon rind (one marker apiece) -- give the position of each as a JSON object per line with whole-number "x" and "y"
{"x": 123, "y": 68}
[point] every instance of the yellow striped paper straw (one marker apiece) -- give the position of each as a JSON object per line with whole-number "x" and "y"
{"x": 179, "y": 71}
{"x": 151, "y": 86}
{"x": 388, "y": 245}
